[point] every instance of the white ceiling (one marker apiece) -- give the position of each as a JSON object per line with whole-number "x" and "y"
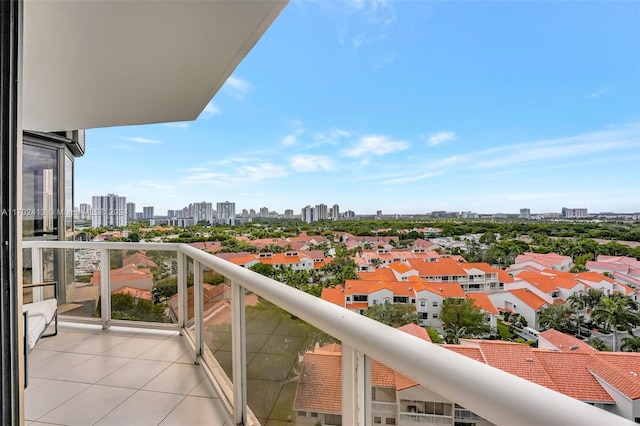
{"x": 94, "y": 63}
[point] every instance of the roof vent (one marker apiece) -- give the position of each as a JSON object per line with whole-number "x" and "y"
{"x": 633, "y": 373}
{"x": 529, "y": 359}
{"x": 441, "y": 289}
{"x": 573, "y": 348}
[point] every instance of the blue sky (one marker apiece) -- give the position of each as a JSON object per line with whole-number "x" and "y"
{"x": 404, "y": 107}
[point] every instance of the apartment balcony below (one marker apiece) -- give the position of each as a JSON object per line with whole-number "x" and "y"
{"x": 120, "y": 376}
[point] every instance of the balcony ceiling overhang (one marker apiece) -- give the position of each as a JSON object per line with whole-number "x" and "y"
{"x": 90, "y": 64}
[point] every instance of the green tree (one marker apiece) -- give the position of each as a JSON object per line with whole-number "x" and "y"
{"x": 264, "y": 269}
{"x": 630, "y": 344}
{"x": 394, "y": 315}
{"x": 616, "y": 312}
{"x": 164, "y": 288}
{"x": 558, "y": 317}
{"x": 462, "y": 314}
{"x": 599, "y": 344}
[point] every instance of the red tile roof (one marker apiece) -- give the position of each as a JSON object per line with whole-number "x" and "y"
{"x": 564, "y": 342}
{"x": 482, "y": 301}
{"x": 320, "y": 384}
{"x": 333, "y": 295}
{"x": 530, "y": 298}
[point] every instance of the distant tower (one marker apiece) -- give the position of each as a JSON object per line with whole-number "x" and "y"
{"x": 226, "y": 213}
{"x": 108, "y": 210}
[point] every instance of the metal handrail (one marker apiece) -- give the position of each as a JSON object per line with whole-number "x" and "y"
{"x": 497, "y": 396}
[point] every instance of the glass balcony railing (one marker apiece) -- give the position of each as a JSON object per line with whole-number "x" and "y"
{"x": 274, "y": 353}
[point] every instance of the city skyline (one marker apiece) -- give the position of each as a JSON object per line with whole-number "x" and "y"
{"x": 405, "y": 107}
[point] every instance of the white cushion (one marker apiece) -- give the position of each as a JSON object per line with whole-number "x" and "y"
{"x": 39, "y": 315}
{"x": 36, "y": 324}
{"x": 46, "y": 308}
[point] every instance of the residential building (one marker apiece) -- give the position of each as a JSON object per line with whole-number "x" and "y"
{"x": 601, "y": 379}
{"x": 202, "y": 212}
{"x": 108, "y": 210}
{"x": 322, "y": 213}
{"x": 568, "y": 213}
{"x": 523, "y": 301}
{"x": 525, "y": 213}
{"x": 147, "y": 212}
{"x": 288, "y": 214}
{"x": 539, "y": 262}
{"x": 84, "y": 211}
{"x": 226, "y": 213}
{"x": 131, "y": 211}
{"x": 334, "y": 213}
{"x": 308, "y": 214}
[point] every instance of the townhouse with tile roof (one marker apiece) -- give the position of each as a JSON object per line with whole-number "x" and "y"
{"x": 540, "y": 261}
{"x": 607, "y": 380}
{"x": 296, "y": 260}
{"x": 426, "y": 297}
{"x": 523, "y": 301}
{"x": 473, "y": 277}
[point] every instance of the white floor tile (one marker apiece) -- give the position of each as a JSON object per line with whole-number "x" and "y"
{"x": 57, "y": 364}
{"x": 94, "y": 403}
{"x": 177, "y": 378}
{"x": 132, "y": 348}
{"x": 167, "y": 350}
{"x": 135, "y": 374}
{"x": 194, "y": 411}
{"x": 205, "y": 389}
{"x": 63, "y": 341}
{"x": 48, "y": 396}
{"x": 93, "y": 370}
{"x": 141, "y": 409}
{"x": 97, "y": 344}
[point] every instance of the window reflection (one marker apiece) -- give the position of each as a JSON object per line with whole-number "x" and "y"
{"x": 39, "y": 192}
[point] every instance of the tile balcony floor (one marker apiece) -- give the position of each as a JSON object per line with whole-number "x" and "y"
{"x": 122, "y": 376}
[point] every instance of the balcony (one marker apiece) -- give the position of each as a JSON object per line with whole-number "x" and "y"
{"x": 227, "y": 348}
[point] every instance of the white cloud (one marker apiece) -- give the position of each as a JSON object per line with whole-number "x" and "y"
{"x": 143, "y": 140}
{"x": 311, "y": 163}
{"x": 331, "y": 137}
{"x": 375, "y": 145}
{"x": 436, "y": 139}
{"x": 290, "y": 140}
{"x": 177, "y": 125}
{"x": 411, "y": 178}
{"x": 210, "y": 110}
{"x": 242, "y": 174}
{"x": 553, "y": 150}
{"x": 600, "y": 92}
{"x": 237, "y": 87}
{"x": 359, "y": 40}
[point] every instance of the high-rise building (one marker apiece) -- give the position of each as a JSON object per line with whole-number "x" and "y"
{"x": 245, "y": 213}
{"x": 252, "y": 213}
{"x": 131, "y": 211}
{"x": 202, "y": 212}
{"x": 264, "y": 212}
{"x": 335, "y": 212}
{"x": 108, "y": 210}
{"x": 288, "y": 214}
{"x": 573, "y": 213}
{"x": 322, "y": 213}
{"x": 147, "y": 212}
{"x": 308, "y": 214}
{"x": 84, "y": 211}
{"x": 525, "y": 213}
{"x": 226, "y": 213}
{"x": 379, "y": 213}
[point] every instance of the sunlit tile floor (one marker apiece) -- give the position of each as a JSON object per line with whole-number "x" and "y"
{"x": 122, "y": 376}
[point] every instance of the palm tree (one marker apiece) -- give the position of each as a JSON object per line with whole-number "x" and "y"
{"x": 577, "y": 301}
{"x": 454, "y": 333}
{"x": 616, "y": 312}
{"x": 630, "y": 344}
{"x": 599, "y": 345}
{"x": 593, "y": 297}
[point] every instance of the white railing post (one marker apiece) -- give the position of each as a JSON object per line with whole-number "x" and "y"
{"x": 36, "y": 273}
{"x": 356, "y": 376}
{"x": 198, "y": 306}
{"x": 105, "y": 288}
{"x": 239, "y": 354}
{"x": 182, "y": 291}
